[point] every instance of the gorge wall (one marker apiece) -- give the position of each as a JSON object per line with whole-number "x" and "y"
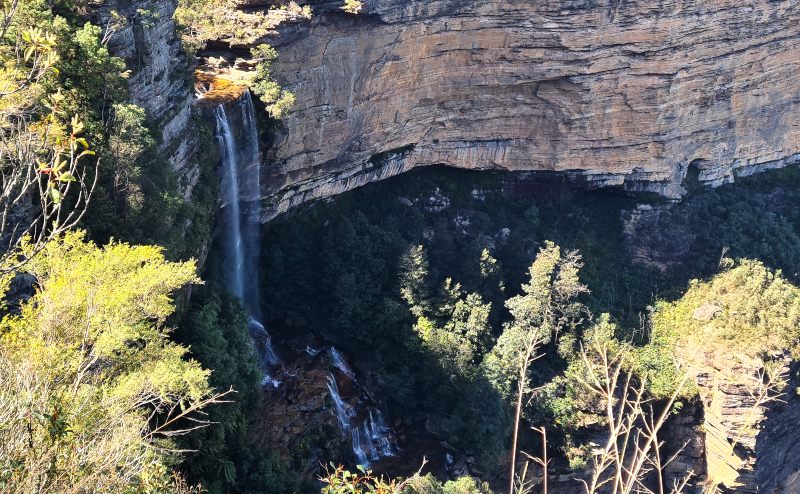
{"x": 628, "y": 93}
{"x": 160, "y": 80}
{"x": 622, "y": 93}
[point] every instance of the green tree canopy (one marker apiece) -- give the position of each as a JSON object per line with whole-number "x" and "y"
{"x": 91, "y": 388}
{"x": 547, "y": 306}
{"x": 746, "y": 313}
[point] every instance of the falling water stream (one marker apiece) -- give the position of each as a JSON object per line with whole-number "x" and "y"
{"x": 372, "y": 440}
{"x": 338, "y": 361}
{"x": 241, "y": 189}
{"x": 239, "y": 235}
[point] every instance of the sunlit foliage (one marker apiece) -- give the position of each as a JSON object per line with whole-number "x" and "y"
{"x": 91, "y": 388}
{"x": 278, "y": 101}
{"x": 206, "y": 20}
{"x": 342, "y": 481}
{"x": 743, "y": 314}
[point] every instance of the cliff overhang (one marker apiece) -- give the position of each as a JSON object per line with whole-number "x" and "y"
{"x": 624, "y": 94}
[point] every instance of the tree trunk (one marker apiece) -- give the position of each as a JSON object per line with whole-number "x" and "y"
{"x": 520, "y": 392}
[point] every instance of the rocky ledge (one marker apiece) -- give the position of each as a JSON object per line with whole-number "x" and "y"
{"x": 628, "y": 94}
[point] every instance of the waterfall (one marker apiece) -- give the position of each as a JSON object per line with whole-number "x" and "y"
{"x": 240, "y": 231}
{"x": 250, "y": 204}
{"x": 371, "y": 437}
{"x": 233, "y": 249}
{"x": 358, "y": 449}
{"x": 372, "y": 440}
{"x": 339, "y": 362}
{"x": 375, "y": 437}
{"x": 343, "y": 411}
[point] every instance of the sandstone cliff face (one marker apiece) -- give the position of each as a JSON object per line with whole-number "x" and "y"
{"x": 749, "y": 434}
{"x": 625, "y": 93}
{"x": 160, "y": 78}
{"x": 777, "y": 467}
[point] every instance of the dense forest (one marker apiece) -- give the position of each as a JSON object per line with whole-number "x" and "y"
{"x": 432, "y": 290}
{"x": 439, "y": 332}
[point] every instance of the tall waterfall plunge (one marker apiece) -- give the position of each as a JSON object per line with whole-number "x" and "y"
{"x": 360, "y": 421}
{"x": 240, "y": 225}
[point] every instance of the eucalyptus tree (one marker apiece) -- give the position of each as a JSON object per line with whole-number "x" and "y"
{"x": 546, "y": 307}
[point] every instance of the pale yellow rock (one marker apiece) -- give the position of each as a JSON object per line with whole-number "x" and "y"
{"x": 626, "y": 93}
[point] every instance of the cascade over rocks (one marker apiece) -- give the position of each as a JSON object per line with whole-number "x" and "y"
{"x": 325, "y": 411}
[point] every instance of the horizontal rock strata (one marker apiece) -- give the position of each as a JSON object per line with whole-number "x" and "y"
{"x": 627, "y": 93}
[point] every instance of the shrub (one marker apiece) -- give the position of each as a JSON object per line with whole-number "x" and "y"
{"x": 353, "y": 6}
{"x": 91, "y": 388}
{"x": 278, "y": 101}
